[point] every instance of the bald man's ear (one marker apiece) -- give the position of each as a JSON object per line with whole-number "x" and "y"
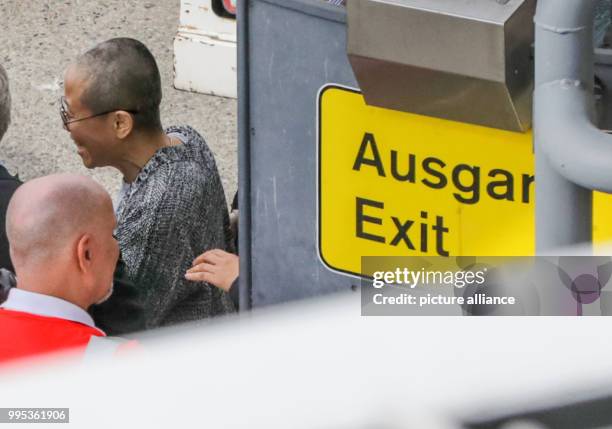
{"x": 84, "y": 253}
{"x": 123, "y": 124}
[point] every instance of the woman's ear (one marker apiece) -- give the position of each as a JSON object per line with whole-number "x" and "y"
{"x": 84, "y": 253}
{"x": 123, "y": 124}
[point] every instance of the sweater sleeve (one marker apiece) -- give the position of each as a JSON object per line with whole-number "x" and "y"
{"x": 173, "y": 219}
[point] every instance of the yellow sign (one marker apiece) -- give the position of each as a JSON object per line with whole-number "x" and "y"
{"x": 398, "y": 184}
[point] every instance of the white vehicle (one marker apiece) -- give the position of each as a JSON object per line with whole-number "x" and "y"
{"x": 205, "y": 47}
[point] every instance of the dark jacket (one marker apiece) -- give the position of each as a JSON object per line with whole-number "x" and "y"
{"x": 8, "y": 186}
{"x": 123, "y": 312}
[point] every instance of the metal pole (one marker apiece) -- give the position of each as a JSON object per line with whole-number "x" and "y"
{"x": 572, "y": 155}
{"x": 244, "y": 156}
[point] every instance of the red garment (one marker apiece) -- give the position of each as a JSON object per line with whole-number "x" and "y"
{"x": 25, "y": 334}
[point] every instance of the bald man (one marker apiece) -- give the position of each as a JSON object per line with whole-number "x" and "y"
{"x": 60, "y": 232}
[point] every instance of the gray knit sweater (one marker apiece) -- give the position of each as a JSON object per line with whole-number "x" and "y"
{"x": 172, "y": 212}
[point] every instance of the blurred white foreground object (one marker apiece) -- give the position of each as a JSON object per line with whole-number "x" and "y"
{"x": 319, "y": 364}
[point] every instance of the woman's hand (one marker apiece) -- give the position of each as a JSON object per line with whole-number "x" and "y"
{"x": 216, "y": 267}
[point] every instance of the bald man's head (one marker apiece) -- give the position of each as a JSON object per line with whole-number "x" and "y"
{"x": 46, "y": 214}
{"x": 63, "y": 224}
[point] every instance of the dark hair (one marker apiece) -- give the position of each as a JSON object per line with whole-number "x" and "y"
{"x": 5, "y": 103}
{"x": 122, "y": 74}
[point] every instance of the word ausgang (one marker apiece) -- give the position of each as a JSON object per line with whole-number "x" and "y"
{"x": 436, "y": 174}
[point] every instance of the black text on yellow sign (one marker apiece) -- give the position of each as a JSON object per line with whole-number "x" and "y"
{"x": 395, "y": 184}
{"x": 466, "y": 182}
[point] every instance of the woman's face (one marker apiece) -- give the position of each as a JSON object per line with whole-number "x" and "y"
{"x": 94, "y": 137}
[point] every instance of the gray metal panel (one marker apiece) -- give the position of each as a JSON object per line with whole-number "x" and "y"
{"x": 294, "y": 48}
{"x": 463, "y": 60}
{"x": 478, "y": 10}
{"x": 244, "y": 156}
{"x": 413, "y": 34}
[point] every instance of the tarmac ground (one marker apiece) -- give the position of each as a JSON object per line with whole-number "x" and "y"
{"x": 41, "y": 38}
